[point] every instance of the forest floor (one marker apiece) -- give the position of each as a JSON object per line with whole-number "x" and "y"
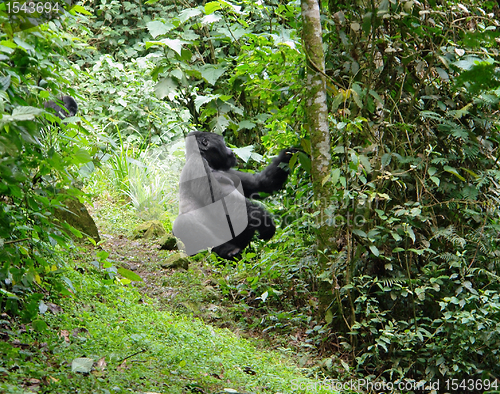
{"x": 162, "y": 335}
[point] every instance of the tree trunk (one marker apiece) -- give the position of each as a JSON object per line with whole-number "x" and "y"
{"x": 317, "y": 126}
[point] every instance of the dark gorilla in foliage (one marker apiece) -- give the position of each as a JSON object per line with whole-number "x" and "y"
{"x": 69, "y": 107}
{"x": 214, "y": 209}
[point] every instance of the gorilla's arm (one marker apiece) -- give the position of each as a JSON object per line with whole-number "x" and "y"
{"x": 269, "y": 180}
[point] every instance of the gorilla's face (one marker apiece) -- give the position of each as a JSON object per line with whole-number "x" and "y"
{"x": 215, "y": 151}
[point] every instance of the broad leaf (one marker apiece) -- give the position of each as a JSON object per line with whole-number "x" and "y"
{"x": 211, "y": 74}
{"x": 246, "y": 124}
{"x": 165, "y": 87}
{"x": 212, "y": 7}
{"x": 158, "y": 28}
{"x": 175, "y": 45}
{"x": 210, "y": 19}
{"x": 244, "y": 153}
{"x": 129, "y": 274}
{"x": 82, "y": 365}
{"x": 189, "y": 13}
{"x": 201, "y": 100}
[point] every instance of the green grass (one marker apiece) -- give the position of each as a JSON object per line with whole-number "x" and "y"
{"x": 141, "y": 349}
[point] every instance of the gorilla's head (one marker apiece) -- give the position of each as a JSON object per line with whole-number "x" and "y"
{"x": 214, "y": 150}
{"x": 66, "y": 106}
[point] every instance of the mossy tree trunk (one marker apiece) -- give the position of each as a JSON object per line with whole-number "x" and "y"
{"x": 317, "y": 126}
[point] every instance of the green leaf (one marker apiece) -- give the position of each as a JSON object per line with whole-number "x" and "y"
{"x": 212, "y": 7}
{"x": 366, "y": 163}
{"x": 5, "y": 82}
{"x": 376, "y": 96}
{"x": 82, "y": 365}
{"x": 175, "y": 45}
{"x": 359, "y": 232}
{"x": 305, "y": 161}
{"x": 207, "y": 19}
{"x": 201, "y": 100}
{"x": 189, "y": 13}
{"x": 165, "y": 87}
{"x": 335, "y": 176}
{"x": 386, "y": 159}
{"x": 474, "y": 175}
{"x": 42, "y": 307}
{"x": 81, "y": 156}
{"x": 211, "y": 74}
{"x": 453, "y": 171}
{"x": 244, "y": 153}
{"x": 339, "y": 98}
{"x": 442, "y": 74}
{"x": 25, "y": 113}
{"x": 8, "y": 294}
{"x": 246, "y": 124}
{"x": 22, "y": 44}
{"x": 158, "y": 28}
{"x": 79, "y": 9}
{"x": 410, "y": 233}
{"x": 329, "y": 316}
{"x": 435, "y": 179}
{"x": 467, "y": 63}
{"x": 356, "y": 97}
{"x": 374, "y": 250}
{"x": 39, "y": 325}
{"x": 129, "y": 274}
{"x": 219, "y": 124}
{"x": 396, "y": 236}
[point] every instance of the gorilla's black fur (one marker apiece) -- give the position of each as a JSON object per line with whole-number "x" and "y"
{"x": 214, "y": 206}
{"x": 69, "y": 108}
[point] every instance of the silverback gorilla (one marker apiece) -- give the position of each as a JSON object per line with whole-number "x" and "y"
{"x": 214, "y": 206}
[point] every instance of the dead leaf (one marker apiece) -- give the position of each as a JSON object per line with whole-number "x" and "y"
{"x": 55, "y": 309}
{"x": 65, "y": 335}
{"x": 79, "y": 330}
{"x": 101, "y": 364}
{"x": 122, "y": 366}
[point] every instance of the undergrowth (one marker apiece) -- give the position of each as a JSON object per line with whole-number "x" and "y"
{"x": 133, "y": 347}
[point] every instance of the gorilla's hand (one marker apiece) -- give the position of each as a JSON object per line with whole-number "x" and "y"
{"x": 286, "y": 154}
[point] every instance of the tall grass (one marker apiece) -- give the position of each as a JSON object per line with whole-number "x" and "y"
{"x": 146, "y": 176}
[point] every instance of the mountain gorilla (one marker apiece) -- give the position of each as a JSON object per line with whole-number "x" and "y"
{"x": 214, "y": 209}
{"x": 69, "y": 107}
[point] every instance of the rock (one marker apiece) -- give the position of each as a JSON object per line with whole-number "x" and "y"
{"x": 177, "y": 260}
{"x": 168, "y": 242}
{"x": 151, "y": 229}
{"x": 78, "y": 217}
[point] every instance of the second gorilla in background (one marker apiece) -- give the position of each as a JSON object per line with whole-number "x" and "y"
{"x": 65, "y": 107}
{"x": 214, "y": 206}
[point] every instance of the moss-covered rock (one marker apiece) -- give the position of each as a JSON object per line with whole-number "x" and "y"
{"x": 177, "y": 260}
{"x": 168, "y": 242}
{"x": 151, "y": 229}
{"x": 76, "y": 215}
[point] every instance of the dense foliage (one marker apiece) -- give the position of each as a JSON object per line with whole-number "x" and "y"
{"x": 416, "y": 134}
{"x": 413, "y": 104}
{"x": 39, "y": 162}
